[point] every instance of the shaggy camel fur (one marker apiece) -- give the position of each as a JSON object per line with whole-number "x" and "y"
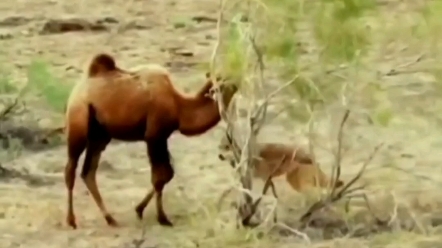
{"x": 143, "y": 105}
{"x": 299, "y": 168}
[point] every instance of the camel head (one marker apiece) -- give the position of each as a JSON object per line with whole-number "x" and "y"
{"x": 228, "y": 89}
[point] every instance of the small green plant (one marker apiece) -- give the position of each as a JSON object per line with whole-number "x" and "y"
{"x": 182, "y": 22}
{"x": 53, "y": 91}
{"x": 10, "y": 96}
{"x": 6, "y": 86}
{"x": 235, "y": 57}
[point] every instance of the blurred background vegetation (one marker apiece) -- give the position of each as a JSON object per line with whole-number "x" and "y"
{"x": 357, "y": 53}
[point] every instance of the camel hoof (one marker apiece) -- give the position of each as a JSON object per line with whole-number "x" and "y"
{"x": 164, "y": 221}
{"x": 139, "y": 210}
{"x": 71, "y": 222}
{"x": 111, "y": 221}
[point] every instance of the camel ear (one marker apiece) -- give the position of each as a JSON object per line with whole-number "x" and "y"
{"x": 218, "y": 78}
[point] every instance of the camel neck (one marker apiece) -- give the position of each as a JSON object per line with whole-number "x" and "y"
{"x": 199, "y": 113}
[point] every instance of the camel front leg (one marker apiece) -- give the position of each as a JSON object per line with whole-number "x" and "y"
{"x": 162, "y": 173}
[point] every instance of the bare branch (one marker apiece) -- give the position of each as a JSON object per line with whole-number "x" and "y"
{"x": 367, "y": 204}
{"x": 344, "y": 192}
{"x": 261, "y": 111}
{"x": 236, "y": 149}
{"x": 9, "y": 109}
{"x": 259, "y": 56}
{"x": 268, "y": 183}
{"x": 212, "y": 64}
{"x": 279, "y": 89}
{"x": 361, "y": 171}
{"x": 244, "y": 154}
{"x": 336, "y": 174}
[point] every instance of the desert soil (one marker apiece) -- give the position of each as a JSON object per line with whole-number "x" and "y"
{"x": 180, "y": 35}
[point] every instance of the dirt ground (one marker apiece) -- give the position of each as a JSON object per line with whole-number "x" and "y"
{"x": 180, "y": 35}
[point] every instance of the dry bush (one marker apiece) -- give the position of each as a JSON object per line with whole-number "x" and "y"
{"x": 324, "y": 83}
{"x": 18, "y": 128}
{"x": 244, "y": 43}
{"x": 246, "y": 66}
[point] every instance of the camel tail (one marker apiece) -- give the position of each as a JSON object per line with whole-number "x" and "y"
{"x": 101, "y": 63}
{"x": 95, "y": 129}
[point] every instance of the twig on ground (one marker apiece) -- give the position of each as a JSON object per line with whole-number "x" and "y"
{"x": 396, "y": 71}
{"x": 296, "y": 232}
{"x": 137, "y": 243}
{"x": 394, "y": 215}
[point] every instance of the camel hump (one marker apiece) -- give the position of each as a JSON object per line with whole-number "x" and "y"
{"x": 101, "y": 63}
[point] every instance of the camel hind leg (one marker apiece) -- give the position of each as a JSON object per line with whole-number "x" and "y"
{"x": 76, "y": 146}
{"x": 88, "y": 174}
{"x": 162, "y": 173}
{"x": 76, "y": 136}
{"x": 97, "y": 140}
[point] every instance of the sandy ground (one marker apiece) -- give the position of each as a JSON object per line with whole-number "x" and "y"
{"x": 33, "y": 215}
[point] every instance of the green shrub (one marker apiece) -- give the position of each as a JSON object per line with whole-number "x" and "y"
{"x": 52, "y": 90}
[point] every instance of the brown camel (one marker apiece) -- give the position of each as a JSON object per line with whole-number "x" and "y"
{"x": 141, "y": 105}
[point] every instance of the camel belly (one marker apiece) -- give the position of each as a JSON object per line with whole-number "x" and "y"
{"x": 127, "y": 133}
{"x": 122, "y": 120}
